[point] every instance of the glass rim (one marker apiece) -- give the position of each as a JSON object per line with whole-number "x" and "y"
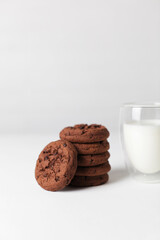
{"x": 142, "y": 105}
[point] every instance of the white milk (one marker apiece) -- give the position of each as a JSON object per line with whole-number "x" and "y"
{"x": 142, "y": 143}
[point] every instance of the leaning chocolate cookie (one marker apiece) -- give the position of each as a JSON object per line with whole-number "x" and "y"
{"x": 56, "y": 165}
{"x": 83, "y": 133}
{"x": 92, "y": 148}
{"x": 84, "y": 181}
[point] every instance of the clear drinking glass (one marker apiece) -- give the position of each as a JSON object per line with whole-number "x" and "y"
{"x": 140, "y": 136}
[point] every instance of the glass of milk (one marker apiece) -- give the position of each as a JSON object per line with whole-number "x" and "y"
{"x": 140, "y": 135}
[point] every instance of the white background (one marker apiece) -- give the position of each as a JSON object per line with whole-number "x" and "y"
{"x": 65, "y": 62}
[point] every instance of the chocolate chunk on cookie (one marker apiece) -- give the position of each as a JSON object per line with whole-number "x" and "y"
{"x": 83, "y": 133}
{"x": 56, "y": 165}
{"x": 93, "y": 171}
{"x": 93, "y": 160}
{"x": 92, "y": 148}
{"x": 84, "y": 181}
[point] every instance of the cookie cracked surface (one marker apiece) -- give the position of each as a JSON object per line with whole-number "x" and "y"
{"x": 56, "y": 165}
{"x": 84, "y": 133}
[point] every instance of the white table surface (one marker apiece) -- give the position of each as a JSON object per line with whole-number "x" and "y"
{"x": 121, "y": 209}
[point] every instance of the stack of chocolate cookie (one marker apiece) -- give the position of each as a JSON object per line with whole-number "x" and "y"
{"x": 92, "y": 147}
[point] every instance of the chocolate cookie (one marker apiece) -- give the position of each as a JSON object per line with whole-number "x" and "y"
{"x": 56, "y": 165}
{"x": 93, "y": 171}
{"x": 93, "y": 160}
{"x": 83, "y": 181}
{"x": 92, "y": 148}
{"x": 83, "y": 133}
